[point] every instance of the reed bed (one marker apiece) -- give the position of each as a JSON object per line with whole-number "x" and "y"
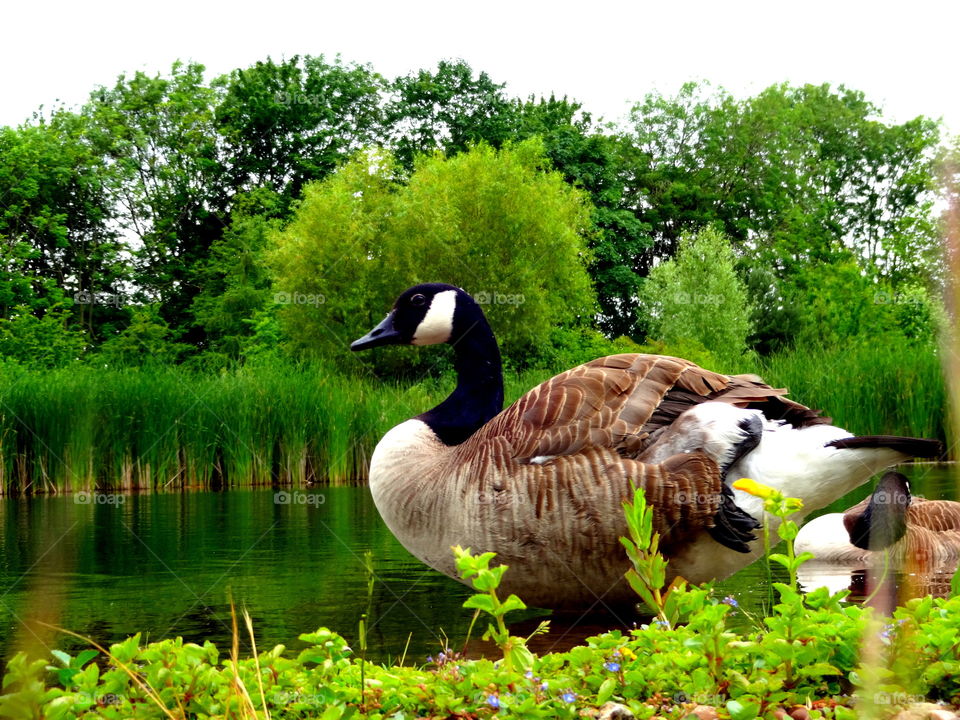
{"x": 868, "y": 388}
{"x": 83, "y": 428}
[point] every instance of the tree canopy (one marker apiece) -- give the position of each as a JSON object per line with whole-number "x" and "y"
{"x": 492, "y": 222}
{"x": 148, "y": 211}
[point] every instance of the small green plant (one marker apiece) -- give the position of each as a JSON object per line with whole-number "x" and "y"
{"x": 777, "y": 504}
{"x": 486, "y": 579}
{"x": 648, "y": 574}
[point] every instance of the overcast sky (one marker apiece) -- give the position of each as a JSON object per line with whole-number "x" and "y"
{"x": 605, "y": 54}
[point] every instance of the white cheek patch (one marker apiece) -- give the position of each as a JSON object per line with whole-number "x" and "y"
{"x": 437, "y": 325}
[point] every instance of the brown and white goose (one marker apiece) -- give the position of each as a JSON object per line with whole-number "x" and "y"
{"x": 541, "y": 483}
{"x": 917, "y": 533}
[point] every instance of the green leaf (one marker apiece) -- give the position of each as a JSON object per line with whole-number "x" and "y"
{"x": 512, "y": 603}
{"x": 84, "y": 657}
{"x": 480, "y": 602}
{"x": 606, "y": 690}
{"x": 819, "y": 669}
{"x": 742, "y": 710}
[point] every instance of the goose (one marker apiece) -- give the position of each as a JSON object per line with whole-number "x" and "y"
{"x": 541, "y": 483}
{"x": 914, "y": 531}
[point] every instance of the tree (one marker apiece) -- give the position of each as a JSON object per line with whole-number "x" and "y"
{"x": 284, "y": 124}
{"x": 55, "y": 223}
{"x": 447, "y": 110}
{"x": 792, "y": 174}
{"x": 593, "y": 162}
{"x": 234, "y": 278}
{"x": 495, "y": 223}
{"x": 697, "y": 297}
{"x": 168, "y": 185}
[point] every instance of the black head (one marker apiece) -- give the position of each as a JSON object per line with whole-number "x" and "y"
{"x": 884, "y": 521}
{"x": 426, "y": 314}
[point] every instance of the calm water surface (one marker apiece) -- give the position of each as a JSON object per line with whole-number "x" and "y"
{"x": 168, "y": 564}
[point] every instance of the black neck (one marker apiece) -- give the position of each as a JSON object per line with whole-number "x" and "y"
{"x": 478, "y": 396}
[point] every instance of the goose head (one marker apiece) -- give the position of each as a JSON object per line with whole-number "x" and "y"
{"x": 884, "y": 521}
{"x": 427, "y": 314}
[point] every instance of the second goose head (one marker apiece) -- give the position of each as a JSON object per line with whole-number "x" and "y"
{"x": 884, "y": 521}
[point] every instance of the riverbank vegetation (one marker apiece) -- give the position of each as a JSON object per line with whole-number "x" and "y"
{"x": 79, "y": 427}
{"x": 186, "y": 259}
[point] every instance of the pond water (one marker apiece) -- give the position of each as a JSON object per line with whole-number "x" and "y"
{"x": 167, "y": 564}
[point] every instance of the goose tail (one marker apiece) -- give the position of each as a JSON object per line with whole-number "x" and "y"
{"x": 914, "y": 447}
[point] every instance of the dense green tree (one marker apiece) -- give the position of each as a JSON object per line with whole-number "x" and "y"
{"x": 793, "y": 174}
{"x": 593, "y": 161}
{"x": 234, "y": 278}
{"x": 168, "y": 182}
{"x": 55, "y": 223}
{"x": 284, "y": 124}
{"x": 494, "y": 223}
{"x": 448, "y": 109}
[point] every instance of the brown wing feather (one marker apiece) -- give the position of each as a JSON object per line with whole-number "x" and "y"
{"x": 620, "y": 402}
{"x": 939, "y": 515}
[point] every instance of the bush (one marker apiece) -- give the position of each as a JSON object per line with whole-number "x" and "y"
{"x": 698, "y": 298}
{"x": 492, "y": 222}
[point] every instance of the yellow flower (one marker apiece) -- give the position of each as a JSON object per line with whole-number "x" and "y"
{"x": 756, "y": 489}
{"x": 628, "y": 653}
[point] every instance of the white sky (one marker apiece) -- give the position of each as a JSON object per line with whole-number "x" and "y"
{"x": 606, "y": 54}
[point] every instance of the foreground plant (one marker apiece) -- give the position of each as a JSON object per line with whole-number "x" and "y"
{"x": 804, "y": 655}
{"x": 649, "y": 571}
{"x": 777, "y": 504}
{"x": 486, "y": 579}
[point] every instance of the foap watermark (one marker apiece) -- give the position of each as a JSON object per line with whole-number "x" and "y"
{"x": 691, "y": 497}
{"x": 298, "y": 98}
{"x": 897, "y": 698}
{"x": 298, "y": 298}
{"x": 85, "y": 297}
{"x": 681, "y": 698}
{"x": 685, "y": 298}
{"x": 99, "y": 699}
{"x": 288, "y": 697}
{"x": 498, "y": 298}
{"x": 885, "y": 497}
{"x": 94, "y": 498}
{"x": 494, "y": 497}
{"x": 896, "y": 298}
{"x": 298, "y": 498}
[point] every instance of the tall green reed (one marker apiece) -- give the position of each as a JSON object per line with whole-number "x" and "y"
{"x": 166, "y": 427}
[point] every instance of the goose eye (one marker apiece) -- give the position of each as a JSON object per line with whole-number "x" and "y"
{"x": 418, "y": 300}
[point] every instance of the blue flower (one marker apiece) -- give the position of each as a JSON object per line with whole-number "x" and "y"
{"x": 613, "y": 666}
{"x": 731, "y": 601}
{"x": 569, "y": 697}
{"x": 885, "y": 633}
{"x": 544, "y": 685}
{"x": 528, "y": 675}
{"x": 493, "y": 701}
{"x": 661, "y": 623}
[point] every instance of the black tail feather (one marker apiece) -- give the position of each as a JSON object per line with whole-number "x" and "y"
{"x": 915, "y": 447}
